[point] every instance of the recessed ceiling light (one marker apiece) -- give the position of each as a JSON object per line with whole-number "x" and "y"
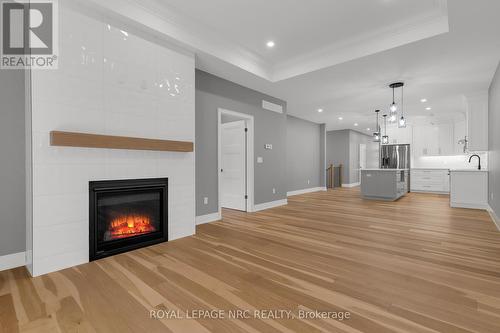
{"x": 340, "y": 118}
{"x": 368, "y": 129}
{"x": 356, "y": 124}
{"x": 270, "y": 44}
{"x": 320, "y": 110}
{"x": 428, "y": 108}
{"x": 423, "y": 100}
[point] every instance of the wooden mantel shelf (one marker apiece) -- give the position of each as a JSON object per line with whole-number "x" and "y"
{"x": 71, "y": 139}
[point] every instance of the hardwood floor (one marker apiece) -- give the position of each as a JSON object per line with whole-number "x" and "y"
{"x": 415, "y": 265}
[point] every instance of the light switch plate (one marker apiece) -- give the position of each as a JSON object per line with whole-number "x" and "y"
{"x": 260, "y": 160}
{"x": 268, "y": 146}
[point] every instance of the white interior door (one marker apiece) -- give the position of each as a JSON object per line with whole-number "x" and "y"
{"x": 233, "y": 165}
{"x": 362, "y": 158}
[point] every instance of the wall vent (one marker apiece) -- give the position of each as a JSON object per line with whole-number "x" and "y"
{"x": 272, "y": 106}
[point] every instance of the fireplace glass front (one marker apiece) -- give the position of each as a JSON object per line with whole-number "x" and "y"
{"x": 126, "y": 215}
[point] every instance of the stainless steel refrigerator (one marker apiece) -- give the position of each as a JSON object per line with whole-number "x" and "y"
{"x": 396, "y": 157}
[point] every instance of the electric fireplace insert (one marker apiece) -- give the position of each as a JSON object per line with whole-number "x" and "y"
{"x": 126, "y": 215}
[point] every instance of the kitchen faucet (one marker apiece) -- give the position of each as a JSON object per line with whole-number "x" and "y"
{"x": 479, "y": 158}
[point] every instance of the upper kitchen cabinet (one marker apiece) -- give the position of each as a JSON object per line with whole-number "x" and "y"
{"x": 433, "y": 140}
{"x": 477, "y": 121}
{"x": 399, "y": 135}
{"x": 459, "y": 134}
{"x": 445, "y": 139}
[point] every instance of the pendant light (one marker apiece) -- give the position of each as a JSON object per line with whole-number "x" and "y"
{"x": 393, "y": 108}
{"x": 376, "y": 134}
{"x": 402, "y": 119}
{"x": 385, "y": 138}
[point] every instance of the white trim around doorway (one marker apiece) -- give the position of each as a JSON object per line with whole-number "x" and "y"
{"x": 250, "y": 155}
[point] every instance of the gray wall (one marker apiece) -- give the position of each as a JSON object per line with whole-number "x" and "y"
{"x": 304, "y": 154}
{"x": 212, "y": 93}
{"x": 494, "y": 143}
{"x": 342, "y": 147}
{"x": 12, "y": 166}
{"x": 337, "y": 150}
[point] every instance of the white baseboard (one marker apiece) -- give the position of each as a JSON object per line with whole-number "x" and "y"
{"x": 494, "y": 217}
{"x": 271, "y": 204}
{"x": 12, "y": 261}
{"x": 351, "y": 185}
{"x": 202, "y": 219}
{"x": 304, "y": 191}
{"x": 468, "y": 205}
{"x": 430, "y": 192}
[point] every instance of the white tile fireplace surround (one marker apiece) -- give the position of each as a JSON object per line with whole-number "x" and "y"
{"x": 110, "y": 82}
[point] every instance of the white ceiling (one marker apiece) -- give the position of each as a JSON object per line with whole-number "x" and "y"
{"x": 309, "y": 35}
{"x": 300, "y": 27}
{"x": 338, "y": 55}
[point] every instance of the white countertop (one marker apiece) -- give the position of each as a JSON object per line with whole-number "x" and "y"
{"x": 430, "y": 168}
{"x": 455, "y": 170}
{"x": 384, "y": 169}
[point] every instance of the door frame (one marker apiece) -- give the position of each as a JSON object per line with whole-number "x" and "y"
{"x": 249, "y": 156}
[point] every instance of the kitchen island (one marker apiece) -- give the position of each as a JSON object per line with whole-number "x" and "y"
{"x": 384, "y": 184}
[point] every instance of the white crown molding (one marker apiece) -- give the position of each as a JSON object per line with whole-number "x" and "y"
{"x": 147, "y": 14}
{"x": 181, "y": 30}
{"x": 363, "y": 45}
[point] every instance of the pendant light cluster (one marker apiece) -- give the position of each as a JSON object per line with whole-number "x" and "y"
{"x": 402, "y": 119}
{"x": 393, "y": 116}
{"x": 376, "y": 134}
{"x": 394, "y": 107}
{"x": 385, "y": 138}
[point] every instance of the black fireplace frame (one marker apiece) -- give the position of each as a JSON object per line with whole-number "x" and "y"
{"x": 132, "y": 243}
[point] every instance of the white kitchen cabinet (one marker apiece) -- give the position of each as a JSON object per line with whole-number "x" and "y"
{"x": 399, "y": 135}
{"x": 445, "y": 139}
{"x": 418, "y": 142}
{"x": 433, "y": 140}
{"x": 459, "y": 133}
{"x": 441, "y": 138}
{"x": 421, "y": 141}
{"x": 430, "y": 180}
{"x": 469, "y": 189}
{"x": 477, "y": 121}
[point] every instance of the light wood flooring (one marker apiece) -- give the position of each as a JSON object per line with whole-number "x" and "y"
{"x": 415, "y": 265}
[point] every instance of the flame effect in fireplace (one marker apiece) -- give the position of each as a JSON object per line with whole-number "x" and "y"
{"x": 129, "y": 226}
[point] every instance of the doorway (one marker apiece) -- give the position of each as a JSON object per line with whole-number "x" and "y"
{"x": 235, "y": 161}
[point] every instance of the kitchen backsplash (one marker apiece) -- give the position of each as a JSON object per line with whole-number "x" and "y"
{"x": 451, "y": 162}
